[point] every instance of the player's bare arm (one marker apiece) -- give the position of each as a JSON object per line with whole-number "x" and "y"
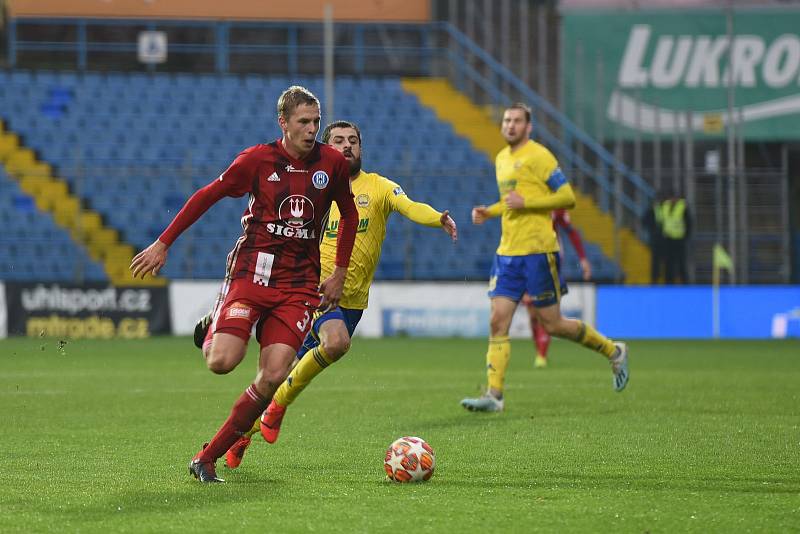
{"x": 449, "y": 225}
{"x": 586, "y": 268}
{"x": 479, "y": 214}
{"x": 514, "y": 201}
{"x": 150, "y": 260}
{"x": 332, "y": 287}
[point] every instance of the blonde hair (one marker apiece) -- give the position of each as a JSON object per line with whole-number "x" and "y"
{"x": 295, "y": 96}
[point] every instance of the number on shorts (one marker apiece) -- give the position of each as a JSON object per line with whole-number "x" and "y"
{"x": 301, "y": 325}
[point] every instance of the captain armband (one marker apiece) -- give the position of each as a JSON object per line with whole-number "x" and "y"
{"x": 556, "y": 180}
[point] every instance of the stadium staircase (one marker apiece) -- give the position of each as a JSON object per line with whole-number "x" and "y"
{"x": 52, "y": 195}
{"x": 476, "y": 124}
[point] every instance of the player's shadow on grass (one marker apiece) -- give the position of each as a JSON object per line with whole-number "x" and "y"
{"x": 180, "y": 496}
{"x": 471, "y": 420}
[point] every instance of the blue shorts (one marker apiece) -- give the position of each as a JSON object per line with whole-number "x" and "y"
{"x": 350, "y": 317}
{"x": 538, "y": 275}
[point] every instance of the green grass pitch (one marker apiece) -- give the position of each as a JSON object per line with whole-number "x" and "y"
{"x": 96, "y": 437}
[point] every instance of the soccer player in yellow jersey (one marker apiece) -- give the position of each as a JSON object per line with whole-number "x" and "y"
{"x": 531, "y": 185}
{"x": 376, "y": 198}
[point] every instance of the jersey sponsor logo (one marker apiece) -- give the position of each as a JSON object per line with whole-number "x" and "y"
{"x": 263, "y": 270}
{"x": 362, "y": 200}
{"x": 398, "y": 191}
{"x": 286, "y": 231}
{"x": 274, "y": 177}
{"x": 296, "y": 211}
{"x": 333, "y": 227}
{"x": 507, "y": 185}
{"x": 290, "y": 168}
{"x": 238, "y": 311}
{"x": 320, "y": 179}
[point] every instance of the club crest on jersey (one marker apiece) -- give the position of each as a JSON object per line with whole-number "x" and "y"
{"x": 320, "y": 179}
{"x": 398, "y": 191}
{"x": 362, "y": 200}
{"x": 296, "y": 211}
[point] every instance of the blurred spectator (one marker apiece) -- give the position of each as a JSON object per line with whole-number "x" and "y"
{"x": 676, "y": 229}
{"x": 651, "y": 221}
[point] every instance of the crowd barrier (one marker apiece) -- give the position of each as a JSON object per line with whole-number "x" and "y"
{"x": 409, "y": 309}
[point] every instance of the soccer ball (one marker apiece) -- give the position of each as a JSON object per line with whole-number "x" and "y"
{"x": 409, "y": 459}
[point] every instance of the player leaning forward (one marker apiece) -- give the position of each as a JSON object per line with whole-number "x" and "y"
{"x": 531, "y": 185}
{"x": 272, "y": 275}
{"x": 377, "y": 198}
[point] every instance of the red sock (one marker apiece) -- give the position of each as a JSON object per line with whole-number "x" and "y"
{"x": 542, "y": 339}
{"x": 245, "y": 412}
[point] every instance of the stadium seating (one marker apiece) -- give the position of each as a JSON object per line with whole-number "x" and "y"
{"x": 135, "y": 146}
{"x": 33, "y": 247}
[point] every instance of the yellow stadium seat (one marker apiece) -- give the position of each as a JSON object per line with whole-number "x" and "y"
{"x": 9, "y": 143}
{"x": 20, "y": 161}
{"x": 32, "y": 185}
{"x": 89, "y": 222}
{"x": 65, "y": 211}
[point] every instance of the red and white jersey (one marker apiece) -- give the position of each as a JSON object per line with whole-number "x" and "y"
{"x": 288, "y": 206}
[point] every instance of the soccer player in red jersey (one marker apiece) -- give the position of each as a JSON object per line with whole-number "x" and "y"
{"x": 272, "y": 275}
{"x": 541, "y": 338}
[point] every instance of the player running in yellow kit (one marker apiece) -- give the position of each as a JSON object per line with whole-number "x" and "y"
{"x": 531, "y": 185}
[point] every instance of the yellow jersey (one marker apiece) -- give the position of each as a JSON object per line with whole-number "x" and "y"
{"x": 376, "y": 198}
{"x": 533, "y": 172}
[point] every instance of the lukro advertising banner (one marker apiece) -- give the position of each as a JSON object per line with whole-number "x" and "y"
{"x": 644, "y": 71}
{"x": 86, "y": 311}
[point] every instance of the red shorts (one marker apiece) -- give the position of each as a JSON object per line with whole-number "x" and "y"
{"x": 283, "y": 315}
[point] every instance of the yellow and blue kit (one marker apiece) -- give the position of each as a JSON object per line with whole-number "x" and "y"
{"x": 527, "y": 258}
{"x": 376, "y": 198}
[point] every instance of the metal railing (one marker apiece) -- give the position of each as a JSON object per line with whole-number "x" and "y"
{"x": 617, "y": 187}
{"x": 223, "y": 43}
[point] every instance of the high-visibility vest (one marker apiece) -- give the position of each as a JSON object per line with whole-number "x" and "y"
{"x": 672, "y": 224}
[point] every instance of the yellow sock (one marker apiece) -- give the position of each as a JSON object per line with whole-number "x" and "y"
{"x": 256, "y": 427}
{"x": 497, "y": 361}
{"x": 591, "y": 338}
{"x": 311, "y": 364}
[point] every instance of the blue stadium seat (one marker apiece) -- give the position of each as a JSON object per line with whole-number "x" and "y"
{"x": 32, "y": 246}
{"x": 136, "y": 145}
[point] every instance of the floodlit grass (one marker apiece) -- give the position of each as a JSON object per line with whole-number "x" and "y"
{"x": 97, "y": 436}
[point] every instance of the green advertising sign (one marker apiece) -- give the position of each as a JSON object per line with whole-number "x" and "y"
{"x": 644, "y": 71}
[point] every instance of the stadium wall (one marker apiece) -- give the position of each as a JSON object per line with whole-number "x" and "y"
{"x": 745, "y": 312}
{"x": 410, "y": 309}
{"x": 3, "y": 312}
{"x": 399, "y": 308}
{"x": 83, "y": 311}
